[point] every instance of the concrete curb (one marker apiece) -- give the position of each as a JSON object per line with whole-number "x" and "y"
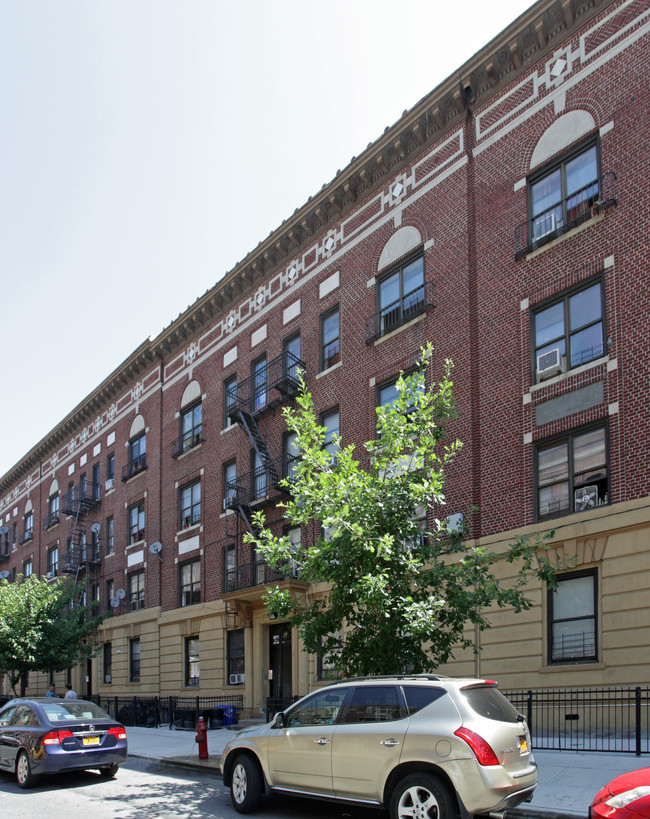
{"x": 540, "y": 813}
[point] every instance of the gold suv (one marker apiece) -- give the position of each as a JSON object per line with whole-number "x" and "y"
{"x": 421, "y": 745}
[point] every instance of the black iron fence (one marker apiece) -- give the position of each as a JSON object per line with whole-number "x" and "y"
{"x": 587, "y": 719}
{"x": 175, "y": 712}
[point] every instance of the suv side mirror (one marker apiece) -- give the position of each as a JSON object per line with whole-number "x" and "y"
{"x": 278, "y": 720}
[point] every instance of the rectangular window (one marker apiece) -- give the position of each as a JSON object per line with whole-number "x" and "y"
{"x": 291, "y": 359}
{"x": 229, "y": 400}
{"x": 191, "y": 427}
{"x": 134, "y": 660}
{"x": 236, "y": 657}
{"x": 28, "y": 526}
{"x": 572, "y": 617}
{"x": 52, "y": 511}
{"x": 572, "y": 473}
{"x": 330, "y": 421}
{"x": 562, "y": 196}
{"x": 388, "y": 393}
{"x": 110, "y": 536}
{"x": 229, "y": 485}
{"x": 329, "y": 339}
{"x": 190, "y": 583}
{"x": 27, "y": 568}
{"x": 136, "y": 522}
{"x": 326, "y": 669}
{"x": 136, "y": 591}
{"x": 191, "y": 661}
{"x": 259, "y": 384}
{"x": 110, "y": 471}
{"x": 108, "y": 663}
{"x": 96, "y": 487}
{"x": 258, "y": 476}
{"x": 289, "y": 455}
{"x": 110, "y": 594}
{"x": 569, "y": 331}
{"x": 137, "y": 456}
{"x": 190, "y": 505}
{"x": 53, "y": 561}
{"x": 400, "y": 295}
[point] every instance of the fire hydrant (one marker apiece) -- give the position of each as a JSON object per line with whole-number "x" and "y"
{"x": 202, "y": 737}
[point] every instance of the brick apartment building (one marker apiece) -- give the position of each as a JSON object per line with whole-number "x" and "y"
{"x": 505, "y": 219}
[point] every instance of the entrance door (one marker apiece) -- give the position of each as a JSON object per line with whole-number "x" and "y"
{"x": 89, "y": 677}
{"x": 281, "y": 684}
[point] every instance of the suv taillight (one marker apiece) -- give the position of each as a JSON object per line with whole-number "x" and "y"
{"x": 56, "y": 737}
{"x": 118, "y": 733}
{"x": 481, "y": 748}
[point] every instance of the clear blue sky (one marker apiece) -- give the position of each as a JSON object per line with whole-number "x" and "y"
{"x": 148, "y": 145}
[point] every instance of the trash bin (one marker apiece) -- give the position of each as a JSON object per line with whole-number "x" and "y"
{"x": 229, "y": 714}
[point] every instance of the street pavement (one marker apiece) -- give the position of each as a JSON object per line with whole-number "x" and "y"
{"x": 568, "y": 780}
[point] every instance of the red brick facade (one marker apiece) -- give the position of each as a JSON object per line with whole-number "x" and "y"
{"x": 451, "y": 182}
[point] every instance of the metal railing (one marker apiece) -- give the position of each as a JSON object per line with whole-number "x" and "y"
{"x": 399, "y": 312}
{"x": 252, "y": 395}
{"x": 259, "y": 483}
{"x": 187, "y": 441}
{"x": 176, "y": 712}
{"x": 255, "y": 573}
{"x": 565, "y": 215}
{"x": 587, "y": 719}
{"x": 86, "y": 494}
{"x": 81, "y": 555}
{"x": 134, "y": 466}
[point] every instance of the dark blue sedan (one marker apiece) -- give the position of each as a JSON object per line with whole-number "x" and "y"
{"x": 45, "y": 735}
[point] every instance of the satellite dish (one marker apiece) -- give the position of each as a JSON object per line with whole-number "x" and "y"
{"x": 4, "y": 530}
{"x": 120, "y": 594}
{"x": 115, "y": 602}
{"x": 156, "y": 548}
{"x": 96, "y": 528}
{"x": 4, "y": 575}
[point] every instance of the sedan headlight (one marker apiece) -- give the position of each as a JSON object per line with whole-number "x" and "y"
{"x": 623, "y": 799}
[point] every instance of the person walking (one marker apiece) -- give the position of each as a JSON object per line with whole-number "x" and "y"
{"x": 70, "y": 694}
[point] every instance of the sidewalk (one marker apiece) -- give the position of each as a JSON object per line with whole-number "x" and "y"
{"x": 568, "y": 780}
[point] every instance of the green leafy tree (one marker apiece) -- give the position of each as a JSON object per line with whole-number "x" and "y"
{"x": 42, "y": 627}
{"x": 400, "y": 591}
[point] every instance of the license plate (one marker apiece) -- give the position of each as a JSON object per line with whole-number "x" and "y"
{"x": 523, "y": 745}
{"x": 91, "y": 740}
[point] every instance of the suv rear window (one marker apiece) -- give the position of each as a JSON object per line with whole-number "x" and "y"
{"x": 419, "y": 696}
{"x": 490, "y": 703}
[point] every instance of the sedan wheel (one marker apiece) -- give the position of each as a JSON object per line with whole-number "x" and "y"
{"x": 422, "y": 796}
{"x": 24, "y": 775}
{"x": 246, "y": 785}
{"x": 109, "y": 771}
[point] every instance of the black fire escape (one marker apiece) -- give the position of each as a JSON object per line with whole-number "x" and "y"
{"x": 247, "y": 402}
{"x": 83, "y": 552}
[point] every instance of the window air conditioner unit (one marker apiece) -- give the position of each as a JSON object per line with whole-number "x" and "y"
{"x": 110, "y": 484}
{"x": 50, "y": 575}
{"x": 231, "y": 497}
{"x": 237, "y": 679}
{"x": 549, "y": 363}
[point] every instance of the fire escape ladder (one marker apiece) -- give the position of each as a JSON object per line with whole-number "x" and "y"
{"x": 249, "y": 424}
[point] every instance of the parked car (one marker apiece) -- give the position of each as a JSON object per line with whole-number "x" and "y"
{"x": 45, "y": 735}
{"x": 626, "y": 797}
{"x": 420, "y": 745}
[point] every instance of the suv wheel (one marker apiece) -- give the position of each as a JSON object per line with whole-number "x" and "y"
{"x": 422, "y": 796}
{"x": 246, "y": 785}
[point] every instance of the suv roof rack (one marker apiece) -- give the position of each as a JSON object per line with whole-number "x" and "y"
{"x": 373, "y": 677}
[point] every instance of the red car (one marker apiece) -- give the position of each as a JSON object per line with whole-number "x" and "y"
{"x": 626, "y": 797}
